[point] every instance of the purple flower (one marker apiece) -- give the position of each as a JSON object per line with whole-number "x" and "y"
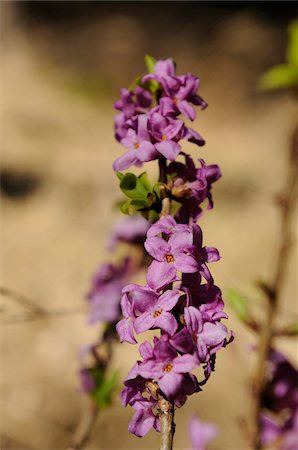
{"x": 178, "y": 91}
{"x": 208, "y": 337}
{"x": 131, "y": 230}
{"x": 281, "y": 434}
{"x": 191, "y": 186}
{"x": 156, "y": 314}
{"x": 131, "y": 103}
{"x": 176, "y": 252}
{"x": 166, "y": 225}
{"x": 140, "y": 148}
{"x": 87, "y": 381}
{"x": 183, "y": 252}
{"x": 279, "y": 420}
{"x": 144, "y": 419}
{"x": 145, "y": 309}
{"x": 104, "y": 297}
{"x": 270, "y": 430}
{"x": 134, "y": 385}
{"x": 201, "y": 433}
{"x": 282, "y": 390}
{"x": 125, "y": 327}
{"x": 167, "y": 368}
{"x": 166, "y": 133}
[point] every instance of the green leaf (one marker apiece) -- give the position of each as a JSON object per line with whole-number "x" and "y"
{"x": 239, "y": 304}
{"x": 132, "y": 187}
{"x": 145, "y": 181}
{"x": 132, "y": 207}
{"x": 150, "y": 63}
{"x": 124, "y": 208}
{"x": 105, "y": 389}
{"x": 292, "y": 50}
{"x": 284, "y": 76}
{"x": 142, "y": 197}
{"x": 280, "y": 77}
{"x": 120, "y": 175}
{"x": 136, "y": 188}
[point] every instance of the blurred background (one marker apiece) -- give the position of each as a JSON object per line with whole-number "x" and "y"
{"x": 63, "y": 64}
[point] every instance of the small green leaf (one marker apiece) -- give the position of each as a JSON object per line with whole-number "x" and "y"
{"x": 292, "y": 50}
{"x": 124, "y": 208}
{"x": 105, "y": 390}
{"x": 284, "y": 76}
{"x": 150, "y": 63}
{"x": 120, "y": 175}
{"x": 280, "y": 77}
{"x": 239, "y": 304}
{"x": 128, "y": 182}
{"x": 136, "y": 188}
{"x": 145, "y": 181}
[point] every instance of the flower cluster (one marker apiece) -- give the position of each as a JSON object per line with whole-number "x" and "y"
{"x": 187, "y": 312}
{"x": 104, "y": 300}
{"x": 147, "y": 125}
{"x": 190, "y": 186}
{"x": 279, "y": 420}
{"x": 179, "y": 298}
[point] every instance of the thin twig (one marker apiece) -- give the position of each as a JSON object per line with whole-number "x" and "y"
{"x": 84, "y": 428}
{"x": 35, "y": 312}
{"x": 274, "y": 291}
{"x": 167, "y": 425}
{"x": 165, "y": 408}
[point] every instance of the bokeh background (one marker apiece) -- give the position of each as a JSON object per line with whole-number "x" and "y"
{"x": 63, "y": 64}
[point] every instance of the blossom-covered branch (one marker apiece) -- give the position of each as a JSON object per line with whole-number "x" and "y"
{"x": 179, "y": 298}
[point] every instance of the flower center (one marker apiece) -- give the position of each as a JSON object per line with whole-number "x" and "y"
{"x": 164, "y": 137}
{"x": 157, "y": 313}
{"x": 175, "y": 100}
{"x": 136, "y": 145}
{"x": 168, "y": 368}
{"x": 170, "y": 258}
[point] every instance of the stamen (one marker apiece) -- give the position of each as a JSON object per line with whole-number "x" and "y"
{"x": 170, "y": 258}
{"x": 168, "y": 368}
{"x": 157, "y": 313}
{"x": 164, "y": 137}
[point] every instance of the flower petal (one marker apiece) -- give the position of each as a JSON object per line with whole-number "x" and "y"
{"x": 185, "y": 363}
{"x": 166, "y": 322}
{"x": 186, "y": 264}
{"x": 170, "y": 383}
{"x": 125, "y": 161}
{"x": 144, "y": 322}
{"x": 157, "y": 248}
{"x": 169, "y": 149}
{"x": 125, "y": 330}
{"x": 160, "y": 274}
{"x": 168, "y": 299}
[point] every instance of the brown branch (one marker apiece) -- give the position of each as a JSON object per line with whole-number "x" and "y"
{"x": 165, "y": 409}
{"x": 84, "y": 428}
{"x": 273, "y": 292}
{"x": 35, "y": 312}
{"x": 167, "y": 425}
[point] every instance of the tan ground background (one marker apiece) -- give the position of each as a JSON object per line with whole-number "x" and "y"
{"x": 60, "y": 78}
